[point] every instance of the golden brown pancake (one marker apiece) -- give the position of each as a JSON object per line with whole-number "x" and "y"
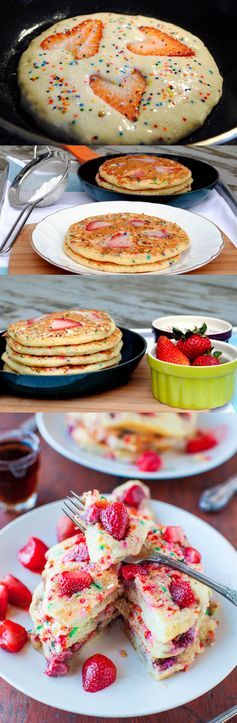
{"x": 145, "y": 171}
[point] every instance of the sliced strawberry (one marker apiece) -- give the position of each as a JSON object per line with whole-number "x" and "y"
{"x": 32, "y": 555}
{"x": 149, "y": 461}
{"x": 65, "y": 528}
{"x": 129, "y": 572}
{"x": 201, "y": 442}
{"x": 156, "y": 233}
{"x": 164, "y": 169}
{"x": 156, "y": 42}
{"x": 98, "y": 672}
{"x": 3, "y": 600}
{"x": 83, "y": 40}
{"x": 94, "y": 225}
{"x": 134, "y": 496}
{"x": 92, "y": 514}
{"x": 72, "y": 582}
{"x": 114, "y": 519}
{"x": 192, "y": 556}
{"x": 61, "y": 324}
{"x": 120, "y": 241}
{"x": 137, "y": 173}
{"x": 174, "y": 534}
{"x": 125, "y": 97}
{"x": 12, "y": 636}
{"x": 18, "y": 594}
{"x": 136, "y": 222}
{"x": 181, "y": 593}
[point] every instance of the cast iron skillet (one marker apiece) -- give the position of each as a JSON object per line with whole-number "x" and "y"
{"x": 75, "y": 385}
{"x": 212, "y": 20}
{"x": 204, "y": 176}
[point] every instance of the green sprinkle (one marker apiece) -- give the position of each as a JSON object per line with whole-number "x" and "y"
{"x": 39, "y": 627}
{"x": 99, "y": 587}
{"x": 157, "y": 548}
{"x": 164, "y": 589}
{"x": 72, "y": 632}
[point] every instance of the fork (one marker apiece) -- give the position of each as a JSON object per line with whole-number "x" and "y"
{"x": 74, "y": 509}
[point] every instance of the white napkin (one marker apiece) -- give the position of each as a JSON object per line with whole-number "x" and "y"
{"x": 214, "y": 208}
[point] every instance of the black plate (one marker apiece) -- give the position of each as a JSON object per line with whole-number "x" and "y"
{"x": 74, "y": 385}
{"x": 212, "y": 20}
{"x": 204, "y": 176}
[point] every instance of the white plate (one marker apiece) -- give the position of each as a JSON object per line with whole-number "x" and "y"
{"x": 135, "y": 692}
{"x": 206, "y": 239}
{"x": 53, "y": 428}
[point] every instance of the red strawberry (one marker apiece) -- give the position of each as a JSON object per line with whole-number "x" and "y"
{"x": 83, "y": 40}
{"x": 120, "y": 241}
{"x": 98, "y": 672}
{"x": 12, "y": 636}
{"x": 181, "y": 593}
{"x": 167, "y": 351}
{"x": 192, "y": 556}
{"x": 72, "y": 582}
{"x": 94, "y": 225}
{"x": 18, "y": 594}
{"x": 129, "y": 572}
{"x": 156, "y": 42}
{"x": 125, "y": 96}
{"x": 134, "y": 496}
{"x": 61, "y": 324}
{"x": 174, "y": 534}
{"x": 65, "y": 528}
{"x": 201, "y": 442}
{"x": 149, "y": 461}
{"x": 3, "y": 600}
{"x": 32, "y": 555}
{"x": 206, "y": 361}
{"x": 114, "y": 519}
{"x": 193, "y": 342}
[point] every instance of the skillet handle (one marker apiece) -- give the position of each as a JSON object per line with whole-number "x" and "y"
{"x": 82, "y": 153}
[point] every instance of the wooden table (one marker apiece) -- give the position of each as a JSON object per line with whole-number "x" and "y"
{"x": 24, "y": 260}
{"x": 54, "y": 475}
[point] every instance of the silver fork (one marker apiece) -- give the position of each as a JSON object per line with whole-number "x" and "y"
{"x": 74, "y": 509}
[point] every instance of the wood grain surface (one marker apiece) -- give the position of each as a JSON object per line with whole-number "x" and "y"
{"x": 55, "y": 471}
{"x": 24, "y": 260}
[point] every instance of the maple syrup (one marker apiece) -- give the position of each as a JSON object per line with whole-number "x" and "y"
{"x": 19, "y": 466}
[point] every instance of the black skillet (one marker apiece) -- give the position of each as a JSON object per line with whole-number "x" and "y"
{"x": 204, "y": 176}
{"x": 67, "y": 386}
{"x": 213, "y": 21}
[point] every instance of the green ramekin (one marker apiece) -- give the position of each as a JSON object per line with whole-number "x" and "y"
{"x": 190, "y": 387}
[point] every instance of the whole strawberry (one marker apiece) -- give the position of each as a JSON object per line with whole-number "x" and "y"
{"x": 98, "y": 672}
{"x": 207, "y": 360}
{"x": 167, "y": 351}
{"x": 194, "y": 342}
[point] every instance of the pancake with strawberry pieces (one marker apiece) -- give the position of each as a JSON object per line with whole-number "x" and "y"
{"x": 93, "y": 347}
{"x": 60, "y": 360}
{"x": 168, "y": 191}
{"x": 112, "y": 78}
{"x": 126, "y": 240}
{"x": 12, "y": 364}
{"x": 144, "y": 171}
{"x": 119, "y": 268}
{"x": 62, "y": 327}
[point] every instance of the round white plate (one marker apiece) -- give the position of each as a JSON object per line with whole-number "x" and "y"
{"x": 53, "y": 428}
{"x": 135, "y": 692}
{"x": 206, "y": 239}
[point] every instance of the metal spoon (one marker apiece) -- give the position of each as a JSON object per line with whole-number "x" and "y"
{"x": 24, "y": 191}
{"x": 216, "y": 498}
{"x": 227, "y": 715}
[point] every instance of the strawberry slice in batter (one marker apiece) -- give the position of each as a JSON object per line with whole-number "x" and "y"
{"x": 157, "y": 42}
{"x": 83, "y": 40}
{"x": 125, "y": 97}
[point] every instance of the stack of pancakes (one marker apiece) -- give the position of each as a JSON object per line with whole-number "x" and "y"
{"x": 144, "y": 174}
{"x": 126, "y": 435}
{"x": 125, "y": 243}
{"x": 65, "y": 342}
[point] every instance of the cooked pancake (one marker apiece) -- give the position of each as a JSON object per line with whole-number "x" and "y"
{"x": 144, "y": 172}
{"x": 146, "y": 191}
{"x": 93, "y": 347}
{"x": 119, "y": 268}
{"x": 112, "y": 78}
{"x": 50, "y": 371}
{"x": 126, "y": 239}
{"x": 60, "y": 361}
{"x": 62, "y": 328}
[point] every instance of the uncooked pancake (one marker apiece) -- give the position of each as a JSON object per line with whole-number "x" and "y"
{"x": 112, "y": 78}
{"x": 92, "y": 347}
{"x": 184, "y": 188}
{"x": 119, "y": 268}
{"x": 145, "y": 171}
{"x": 50, "y": 371}
{"x": 126, "y": 239}
{"x": 63, "y": 360}
{"x": 62, "y": 328}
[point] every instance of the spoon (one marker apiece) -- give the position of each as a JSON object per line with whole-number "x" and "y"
{"x": 29, "y": 190}
{"x": 217, "y": 497}
{"x": 227, "y": 715}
